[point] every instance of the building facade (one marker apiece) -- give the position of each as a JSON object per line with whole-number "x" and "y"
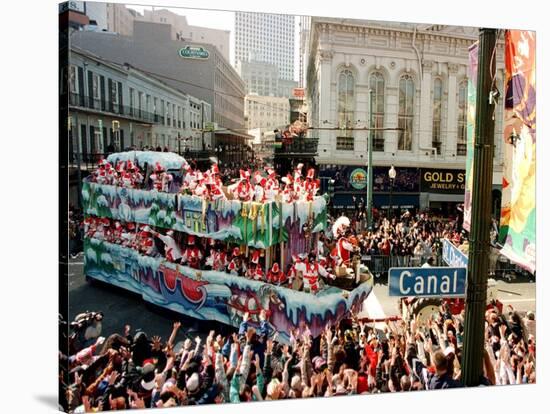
{"x": 418, "y": 75}
{"x": 266, "y": 38}
{"x": 114, "y": 107}
{"x": 181, "y": 30}
{"x": 209, "y": 78}
{"x": 120, "y": 19}
{"x": 266, "y": 113}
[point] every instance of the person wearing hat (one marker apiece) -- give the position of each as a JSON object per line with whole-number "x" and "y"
{"x": 161, "y": 180}
{"x": 311, "y": 185}
{"x": 275, "y": 275}
{"x": 193, "y": 254}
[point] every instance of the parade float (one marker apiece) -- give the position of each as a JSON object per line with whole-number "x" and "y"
{"x": 125, "y": 220}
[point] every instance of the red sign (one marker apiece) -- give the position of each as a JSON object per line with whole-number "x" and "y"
{"x": 298, "y": 92}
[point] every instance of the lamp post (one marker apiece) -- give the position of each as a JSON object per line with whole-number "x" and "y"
{"x": 391, "y": 173}
{"x": 478, "y": 262}
{"x": 369, "y": 171}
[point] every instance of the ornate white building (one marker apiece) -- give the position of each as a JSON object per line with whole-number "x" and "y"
{"x": 418, "y": 74}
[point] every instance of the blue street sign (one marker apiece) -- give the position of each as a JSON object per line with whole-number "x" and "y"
{"x": 452, "y": 256}
{"x": 427, "y": 281}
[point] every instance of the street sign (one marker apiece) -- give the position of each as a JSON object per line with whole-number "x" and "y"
{"x": 193, "y": 52}
{"x": 427, "y": 281}
{"x": 209, "y": 127}
{"x": 452, "y": 256}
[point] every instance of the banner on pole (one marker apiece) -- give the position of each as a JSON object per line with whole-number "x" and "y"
{"x": 518, "y": 212}
{"x": 470, "y": 129}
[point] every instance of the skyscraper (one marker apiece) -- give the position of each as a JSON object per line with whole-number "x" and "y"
{"x": 267, "y": 38}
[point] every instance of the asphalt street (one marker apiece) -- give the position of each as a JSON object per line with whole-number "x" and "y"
{"x": 121, "y": 307}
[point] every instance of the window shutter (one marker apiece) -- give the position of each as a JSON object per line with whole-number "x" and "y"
{"x": 81, "y": 86}
{"x": 90, "y": 89}
{"x": 93, "y": 144}
{"x": 105, "y": 139}
{"x": 120, "y": 105}
{"x": 83, "y": 142}
{"x": 102, "y": 88}
{"x": 110, "y": 96}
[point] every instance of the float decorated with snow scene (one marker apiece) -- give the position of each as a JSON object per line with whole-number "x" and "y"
{"x": 212, "y": 248}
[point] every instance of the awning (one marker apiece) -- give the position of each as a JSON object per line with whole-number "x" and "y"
{"x": 234, "y": 133}
{"x": 456, "y": 198}
{"x": 397, "y": 200}
{"x": 378, "y": 200}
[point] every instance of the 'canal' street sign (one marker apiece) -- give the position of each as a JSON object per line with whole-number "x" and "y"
{"x": 452, "y": 256}
{"x": 427, "y": 281}
{"x": 193, "y": 52}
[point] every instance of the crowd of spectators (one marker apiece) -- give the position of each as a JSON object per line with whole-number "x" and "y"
{"x": 132, "y": 370}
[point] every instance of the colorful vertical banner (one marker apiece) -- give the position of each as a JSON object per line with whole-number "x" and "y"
{"x": 470, "y": 129}
{"x": 518, "y": 213}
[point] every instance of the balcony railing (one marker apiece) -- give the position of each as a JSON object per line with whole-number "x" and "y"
{"x": 86, "y": 102}
{"x": 298, "y": 146}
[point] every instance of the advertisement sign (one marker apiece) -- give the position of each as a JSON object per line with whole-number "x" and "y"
{"x": 358, "y": 178}
{"x": 442, "y": 181}
{"x": 191, "y": 52}
{"x": 452, "y": 256}
{"x": 347, "y": 179}
{"x": 427, "y": 281}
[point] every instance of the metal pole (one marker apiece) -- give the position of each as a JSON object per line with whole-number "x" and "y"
{"x": 369, "y": 172}
{"x": 476, "y": 296}
{"x": 391, "y": 196}
{"x": 78, "y": 163}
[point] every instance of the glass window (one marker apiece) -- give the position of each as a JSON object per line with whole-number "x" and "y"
{"x": 436, "y": 123}
{"x": 406, "y": 112}
{"x": 346, "y": 101}
{"x": 462, "y": 118}
{"x": 376, "y": 83}
{"x": 344, "y": 143}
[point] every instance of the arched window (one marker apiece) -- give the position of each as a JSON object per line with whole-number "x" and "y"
{"x": 436, "y": 124}
{"x": 376, "y": 84}
{"x": 346, "y": 106}
{"x": 406, "y": 112}
{"x": 461, "y": 138}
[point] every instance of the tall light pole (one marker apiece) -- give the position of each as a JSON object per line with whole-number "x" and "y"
{"x": 391, "y": 173}
{"x": 478, "y": 259}
{"x": 369, "y": 170}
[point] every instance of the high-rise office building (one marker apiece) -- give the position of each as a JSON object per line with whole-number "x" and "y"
{"x": 266, "y": 38}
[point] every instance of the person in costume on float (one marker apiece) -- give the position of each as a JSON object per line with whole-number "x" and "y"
{"x": 259, "y": 187}
{"x": 311, "y": 185}
{"x": 344, "y": 248}
{"x": 271, "y": 185}
{"x": 288, "y": 191}
{"x": 299, "y": 184}
{"x": 312, "y": 270}
{"x": 234, "y": 265}
{"x": 215, "y": 183}
{"x": 172, "y": 251}
{"x": 192, "y": 255}
{"x": 276, "y": 276}
{"x": 243, "y": 189}
{"x": 145, "y": 241}
{"x": 161, "y": 179}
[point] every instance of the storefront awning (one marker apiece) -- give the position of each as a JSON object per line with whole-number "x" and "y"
{"x": 456, "y": 198}
{"x": 234, "y": 133}
{"x": 379, "y": 200}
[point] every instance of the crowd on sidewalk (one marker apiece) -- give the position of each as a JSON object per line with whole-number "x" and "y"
{"x": 133, "y": 370}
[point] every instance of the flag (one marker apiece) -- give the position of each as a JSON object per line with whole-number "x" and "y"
{"x": 518, "y": 212}
{"x": 470, "y": 129}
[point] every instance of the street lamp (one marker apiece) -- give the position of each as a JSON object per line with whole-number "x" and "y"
{"x": 391, "y": 173}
